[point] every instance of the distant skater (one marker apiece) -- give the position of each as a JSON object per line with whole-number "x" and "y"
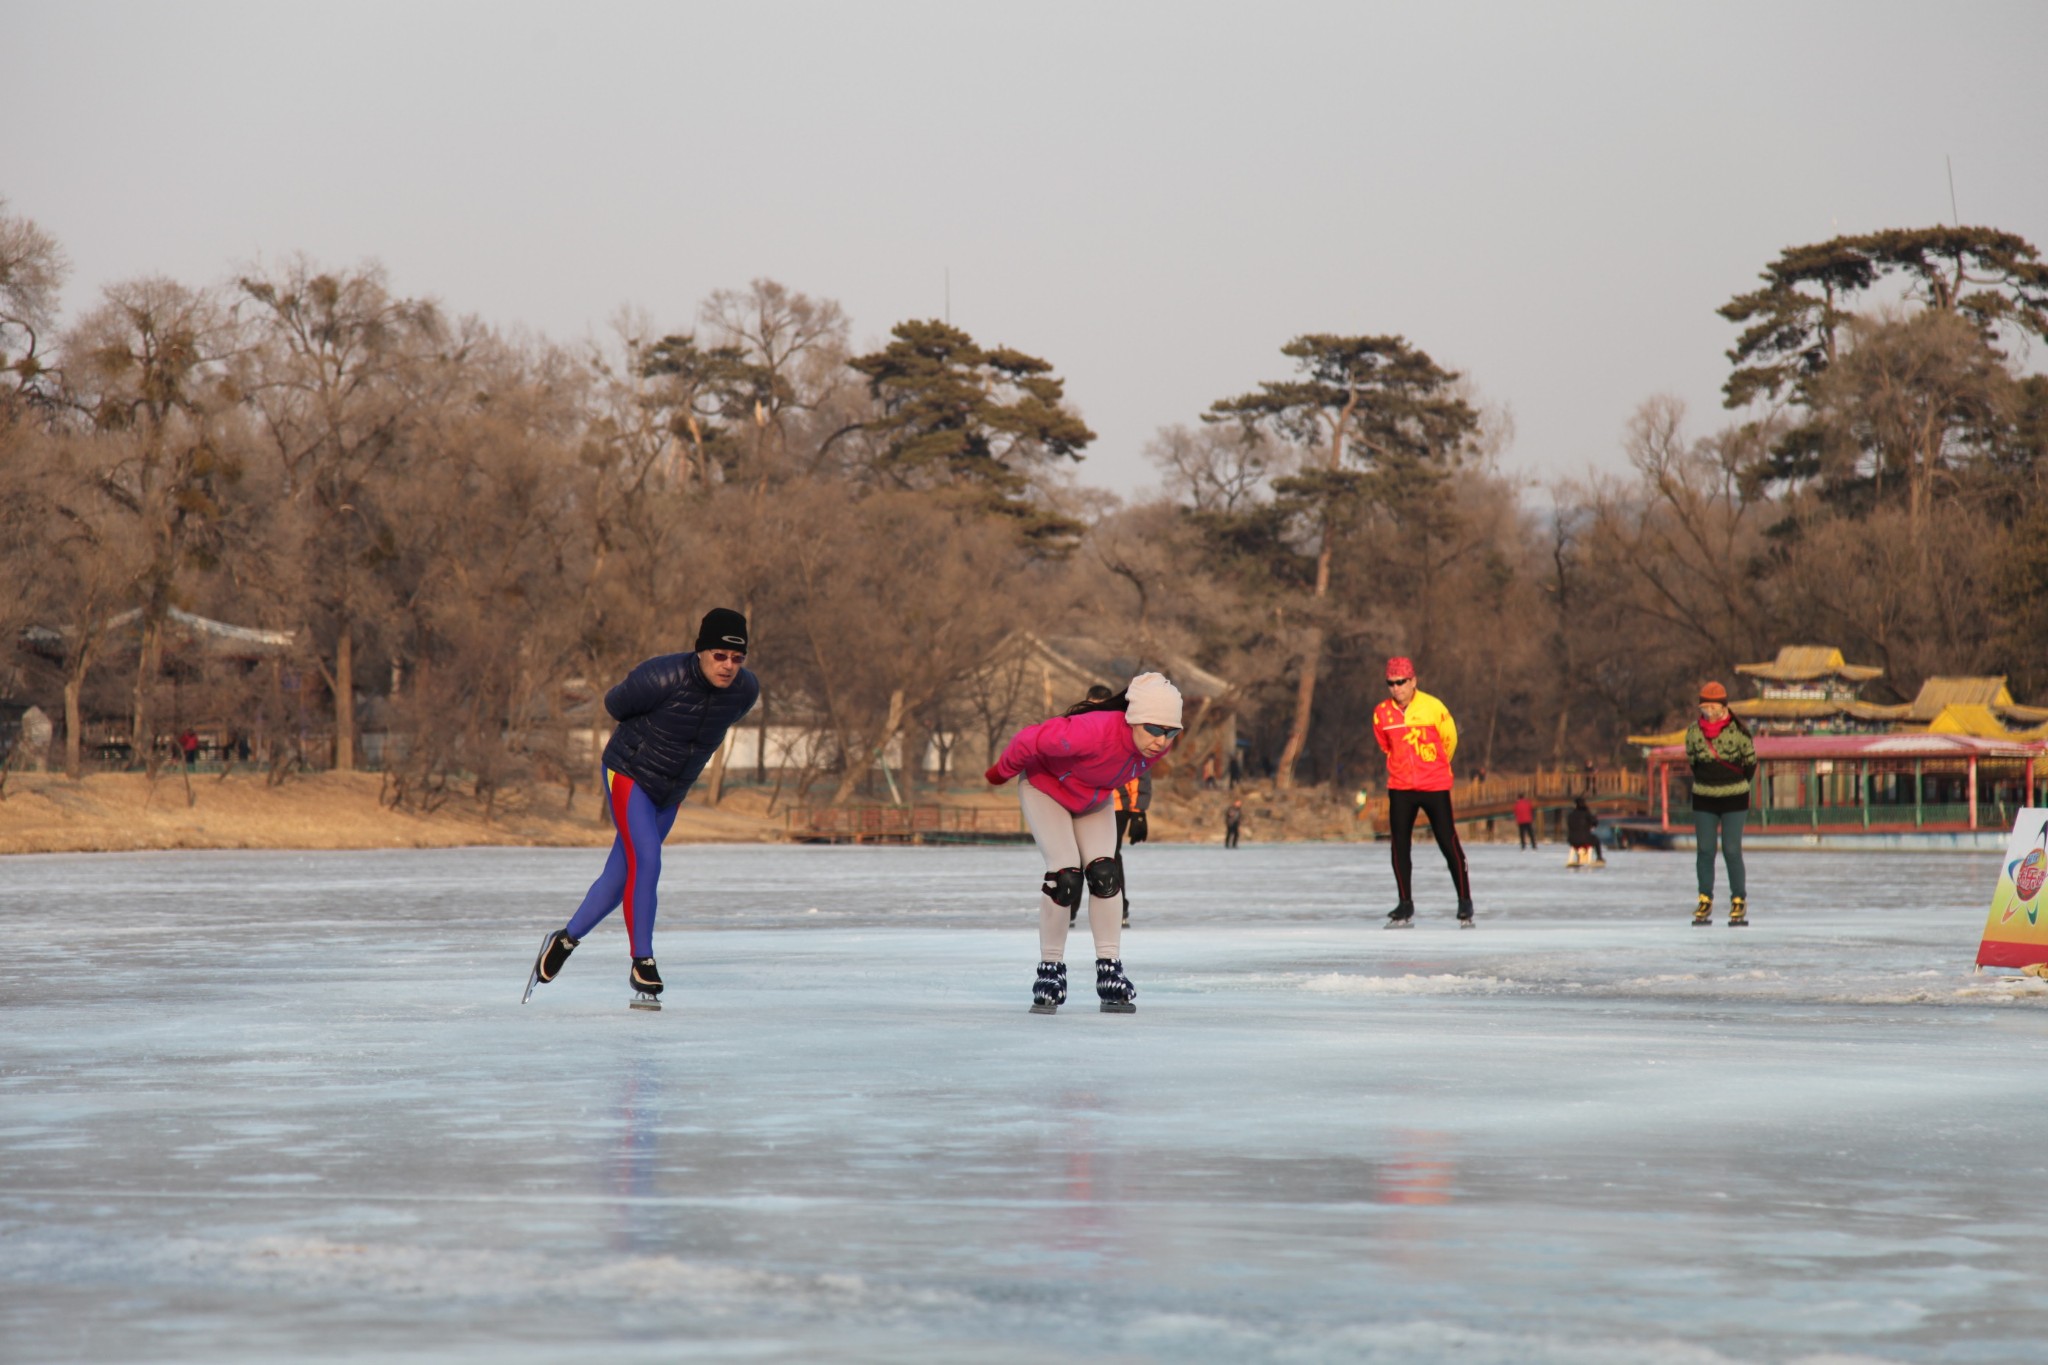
{"x": 1072, "y": 766}
{"x": 1233, "y": 822}
{"x": 1723, "y": 759}
{"x": 1582, "y": 832}
{"x": 673, "y": 712}
{"x": 1416, "y": 733}
{"x": 1525, "y": 822}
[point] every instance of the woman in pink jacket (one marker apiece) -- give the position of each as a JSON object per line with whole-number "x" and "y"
{"x": 1072, "y": 766}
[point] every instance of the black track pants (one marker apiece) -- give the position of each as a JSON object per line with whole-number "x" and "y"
{"x": 1401, "y": 809}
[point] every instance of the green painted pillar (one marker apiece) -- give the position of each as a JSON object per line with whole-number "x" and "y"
{"x": 1917, "y": 789}
{"x": 1863, "y": 787}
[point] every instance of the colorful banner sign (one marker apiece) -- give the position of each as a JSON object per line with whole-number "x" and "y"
{"x": 2016, "y": 930}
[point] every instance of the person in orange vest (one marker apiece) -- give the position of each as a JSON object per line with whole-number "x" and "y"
{"x": 1416, "y": 733}
{"x": 1133, "y": 799}
{"x": 1525, "y": 822}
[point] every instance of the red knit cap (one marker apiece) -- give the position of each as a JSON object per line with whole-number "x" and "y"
{"x": 1713, "y": 691}
{"x": 1400, "y": 669}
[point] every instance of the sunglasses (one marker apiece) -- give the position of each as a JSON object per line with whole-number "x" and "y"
{"x": 727, "y": 656}
{"x": 1163, "y": 731}
{"x": 1399, "y": 682}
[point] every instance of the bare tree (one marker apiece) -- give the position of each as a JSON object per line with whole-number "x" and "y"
{"x": 344, "y": 375}
{"x": 87, "y": 560}
{"x": 796, "y": 347}
{"x": 1217, "y": 468}
{"x": 890, "y": 603}
{"x": 32, "y": 271}
{"x": 152, "y": 366}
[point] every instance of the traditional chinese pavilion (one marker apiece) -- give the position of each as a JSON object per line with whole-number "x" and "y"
{"x": 1812, "y": 690}
{"x": 1962, "y": 755}
{"x": 1868, "y": 783}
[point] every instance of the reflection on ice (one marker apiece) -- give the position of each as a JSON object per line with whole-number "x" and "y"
{"x": 263, "y": 1106}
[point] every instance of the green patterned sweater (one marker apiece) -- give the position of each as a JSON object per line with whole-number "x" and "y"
{"x": 1727, "y": 775}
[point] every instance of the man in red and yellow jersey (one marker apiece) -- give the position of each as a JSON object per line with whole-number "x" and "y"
{"x": 1416, "y": 733}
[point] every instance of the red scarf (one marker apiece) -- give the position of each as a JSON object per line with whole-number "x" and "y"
{"x": 1713, "y": 728}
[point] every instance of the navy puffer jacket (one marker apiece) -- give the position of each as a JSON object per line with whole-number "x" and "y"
{"x": 671, "y": 721}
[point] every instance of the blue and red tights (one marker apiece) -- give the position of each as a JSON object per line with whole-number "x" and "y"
{"x": 633, "y": 868}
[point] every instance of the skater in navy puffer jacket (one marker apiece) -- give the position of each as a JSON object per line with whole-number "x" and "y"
{"x": 671, "y": 721}
{"x": 673, "y": 713}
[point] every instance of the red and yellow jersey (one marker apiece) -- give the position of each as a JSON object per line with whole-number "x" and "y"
{"x": 1418, "y": 743}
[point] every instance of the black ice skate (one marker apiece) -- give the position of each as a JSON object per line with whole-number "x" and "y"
{"x": 1705, "y": 913}
{"x": 1402, "y": 916}
{"x": 554, "y": 951}
{"x": 1049, "y": 991}
{"x": 1738, "y": 912}
{"x": 1115, "y": 990}
{"x": 646, "y": 985}
{"x": 1465, "y": 914}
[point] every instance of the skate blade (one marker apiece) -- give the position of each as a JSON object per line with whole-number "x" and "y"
{"x": 645, "y": 1002}
{"x": 1702, "y": 923}
{"x": 1466, "y": 924}
{"x": 1118, "y": 1007}
{"x": 1400, "y": 924}
{"x": 1738, "y": 924}
{"x": 533, "y": 977}
{"x": 1037, "y": 1008}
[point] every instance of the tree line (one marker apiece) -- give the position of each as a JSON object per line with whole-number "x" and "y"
{"x": 469, "y": 534}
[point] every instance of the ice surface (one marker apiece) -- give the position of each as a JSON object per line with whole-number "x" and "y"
{"x": 287, "y": 1107}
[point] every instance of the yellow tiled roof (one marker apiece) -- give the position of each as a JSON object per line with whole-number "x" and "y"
{"x": 1968, "y": 718}
{"x": 1937, "y": 693}
{"x": 1798, "y": 663}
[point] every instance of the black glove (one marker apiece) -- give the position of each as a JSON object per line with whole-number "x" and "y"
{"x": 1135, "y": 832}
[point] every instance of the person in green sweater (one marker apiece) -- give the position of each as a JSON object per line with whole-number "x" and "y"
{"x": 1723, "y": 759}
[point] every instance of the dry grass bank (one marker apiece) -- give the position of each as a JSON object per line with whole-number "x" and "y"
{"x": 116, "y": 812}
{"x": 109, "y": 812}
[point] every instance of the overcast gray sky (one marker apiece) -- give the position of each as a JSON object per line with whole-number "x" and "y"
{"x": 1552, "y": 198}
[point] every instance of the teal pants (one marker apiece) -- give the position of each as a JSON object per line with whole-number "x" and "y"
{"x": 1708, "y": 824}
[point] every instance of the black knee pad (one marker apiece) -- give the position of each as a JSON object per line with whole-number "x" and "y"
{"x": 1064, "y": 886}
{"x": 1105, "y": 877}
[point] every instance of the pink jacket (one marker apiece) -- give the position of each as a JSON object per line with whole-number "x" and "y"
{"x": 1079, "y": 761}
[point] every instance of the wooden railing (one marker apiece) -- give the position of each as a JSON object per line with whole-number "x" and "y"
{"x": 904, "y": 824}
{"x": 1495, "y": 794}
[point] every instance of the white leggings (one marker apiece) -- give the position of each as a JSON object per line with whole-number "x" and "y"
{"x": 1069, "y": 840}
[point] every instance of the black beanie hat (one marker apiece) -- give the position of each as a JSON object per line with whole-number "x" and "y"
{"x": 723, "y": 628}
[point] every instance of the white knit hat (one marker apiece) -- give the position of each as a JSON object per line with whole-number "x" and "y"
{"x": 1154, "y": 701}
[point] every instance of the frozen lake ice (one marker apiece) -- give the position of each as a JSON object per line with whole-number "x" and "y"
{"x": 260, "y": 1106}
